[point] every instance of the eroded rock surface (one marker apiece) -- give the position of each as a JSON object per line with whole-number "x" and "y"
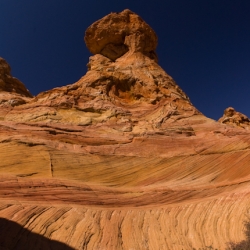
{"x": 118, "y": 33}
{"x": 121, "y": 159}
{"x": 12, "y": 91}
{"x": 235, "y": 118}
{"x": 9, "y": 83}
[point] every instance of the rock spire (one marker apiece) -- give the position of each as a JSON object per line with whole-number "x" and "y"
{"x": 124, "y": 83}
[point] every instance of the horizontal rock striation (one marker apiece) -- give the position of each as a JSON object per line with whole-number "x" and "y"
{"x": 120, "y": 159}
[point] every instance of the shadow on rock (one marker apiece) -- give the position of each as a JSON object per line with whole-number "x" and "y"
{"x": 14, "y": 236}
{"x": 243, "y": 245}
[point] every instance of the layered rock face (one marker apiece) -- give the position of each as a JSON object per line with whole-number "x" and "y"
{"x": 121, "y": 159}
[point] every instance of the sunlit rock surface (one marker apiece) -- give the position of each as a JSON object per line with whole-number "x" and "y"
{"x": 235, "y": 118}
{"x": 121, "y": 159}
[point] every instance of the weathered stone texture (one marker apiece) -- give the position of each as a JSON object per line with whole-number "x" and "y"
{"x": 121, "y": 159}
{"x": 234, "y": 118}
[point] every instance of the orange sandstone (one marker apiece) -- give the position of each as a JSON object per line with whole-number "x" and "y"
{"x": 120, "y": 159}
{"x": 235, "y": 118}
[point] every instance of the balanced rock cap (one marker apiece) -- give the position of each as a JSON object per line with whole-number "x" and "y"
{"x": 117, "y": 33}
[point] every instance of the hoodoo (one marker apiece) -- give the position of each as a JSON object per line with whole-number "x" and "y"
{"x": 118, "y": 33}
{"x": 121, "y": 159}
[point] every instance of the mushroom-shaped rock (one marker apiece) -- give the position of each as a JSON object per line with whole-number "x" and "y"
{"x": 118, "y": 33}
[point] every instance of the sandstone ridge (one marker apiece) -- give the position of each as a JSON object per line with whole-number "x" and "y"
{"x": 121, "y": 159}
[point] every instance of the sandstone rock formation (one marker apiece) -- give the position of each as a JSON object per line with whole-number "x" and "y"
{"x": 118, "y": 33}
{"x": 235, "y": 118}
{"x": 121, "y": 159}
{"x": 12, "y": 91}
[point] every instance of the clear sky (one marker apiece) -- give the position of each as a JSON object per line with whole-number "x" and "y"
{"x": 203, "y": 44}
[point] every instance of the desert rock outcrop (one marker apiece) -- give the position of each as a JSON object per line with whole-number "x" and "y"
{"x": 118, "y": 33}
{"x": 121, "y": 159}
{"x": 12, "y": 91}
{"x": 235, "y": 118}
{"x": 9, "y": 83}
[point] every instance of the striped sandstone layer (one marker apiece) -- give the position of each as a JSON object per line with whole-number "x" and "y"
{"x": 120, "y": 159}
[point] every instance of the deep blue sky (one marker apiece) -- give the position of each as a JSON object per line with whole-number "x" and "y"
{"x": 203, "y": 44}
